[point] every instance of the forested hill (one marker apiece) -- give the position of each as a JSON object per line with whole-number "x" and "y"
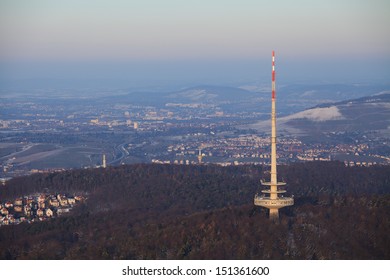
{"x": 206, "y": 212}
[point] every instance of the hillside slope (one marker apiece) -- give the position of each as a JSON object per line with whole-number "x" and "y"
{"x": 370, "y": 113}
{"x": 206, "y": 212}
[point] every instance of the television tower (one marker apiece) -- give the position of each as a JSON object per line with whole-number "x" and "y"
{"x": 272, "y": 201}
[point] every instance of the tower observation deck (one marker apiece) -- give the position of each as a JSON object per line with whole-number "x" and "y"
{"x": 270, "y": 198}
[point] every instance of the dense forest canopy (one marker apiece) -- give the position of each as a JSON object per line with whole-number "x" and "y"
{"x": 206, "y": 212}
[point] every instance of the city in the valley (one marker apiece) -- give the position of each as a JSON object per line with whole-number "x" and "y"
{"x": 44, "y": 131}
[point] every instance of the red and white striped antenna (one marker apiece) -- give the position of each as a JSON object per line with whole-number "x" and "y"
{"x": 273, "y": 75}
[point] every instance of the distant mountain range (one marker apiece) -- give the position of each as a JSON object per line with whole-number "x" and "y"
{"x": 219, "y": 96}
{"x": 291, "y": 98}
{"x": 367, "y": 106}
{"x": 369, "y": 113}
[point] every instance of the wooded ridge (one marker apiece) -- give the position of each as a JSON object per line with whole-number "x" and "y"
{"x": 206, "y": 212}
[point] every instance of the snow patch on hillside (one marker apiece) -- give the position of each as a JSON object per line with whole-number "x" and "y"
{"x": 318, "y": 114}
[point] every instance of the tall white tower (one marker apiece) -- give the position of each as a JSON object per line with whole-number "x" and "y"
{"x": 270, "y": 198}
{"x": 104, "y": 165}
{"x": 200, "y": 156}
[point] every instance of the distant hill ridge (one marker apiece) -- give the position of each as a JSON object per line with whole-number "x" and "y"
{"x": 368, "y": 113}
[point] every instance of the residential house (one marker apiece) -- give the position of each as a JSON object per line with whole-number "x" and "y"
{"x": 5, "y": 221}
{"x": 18, "y": 202}
{"x": 41, "y": 198}
{"x": 29, "y": 200}
{"x": 71, "y": 200}
{"x": 8, "y": 204}
{"x": 49, "y": 212}
{"x": 54, "y": 202}
{"x": 27, "y": 210}
{"x": 63, "y": 201}
{"x": 11, "y": 219}
{"x": 4, "y": 211}
{"x": 40, "y": 212}
{"x": 62, "y": 211}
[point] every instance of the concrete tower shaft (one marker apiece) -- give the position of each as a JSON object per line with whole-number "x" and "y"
{"x": 273, "y": 127}
{"x": 273, "y": 202}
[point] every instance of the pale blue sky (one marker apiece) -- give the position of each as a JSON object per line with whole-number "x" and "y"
{"x": 301, "y": 31}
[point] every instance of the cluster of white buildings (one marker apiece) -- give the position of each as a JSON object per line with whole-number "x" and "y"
{"x": 38, "y": 207}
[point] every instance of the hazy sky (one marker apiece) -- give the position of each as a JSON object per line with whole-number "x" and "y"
{"x": 195, "y": 38}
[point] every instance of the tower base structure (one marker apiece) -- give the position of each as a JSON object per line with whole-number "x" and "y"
{"x": 273, "y": 204}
